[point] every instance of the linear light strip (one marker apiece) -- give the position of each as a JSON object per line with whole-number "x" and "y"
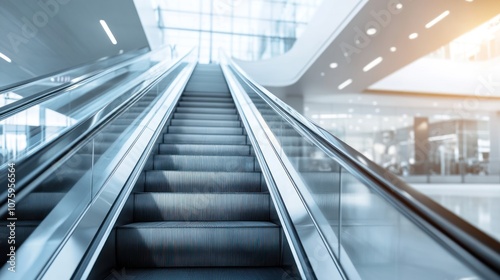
{"x": 345, "y": 84}
{"x": 108, "y": 32}
{"x": 4, "y": 57}
{"x": 437, "y": 19}
{"x": 372, "y": 64}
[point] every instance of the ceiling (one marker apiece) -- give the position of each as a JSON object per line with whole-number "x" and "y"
{"x": 393, "y": 29}
{"x": 41, "y": 39}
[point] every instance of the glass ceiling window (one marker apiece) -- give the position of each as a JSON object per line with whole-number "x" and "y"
{"x": 247, "y": 29}
{"x": 482, "y": 43}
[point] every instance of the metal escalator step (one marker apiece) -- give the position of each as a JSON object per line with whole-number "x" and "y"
{"x": 192, "y": 116}
{"x": 185, "y": 181}
{"x": 205, "y": 123}
{"x": 37, "y": 205}
{"x": 205, "y": 163}
{"x": 192, "y": 104}
{"x": 205, "y": 130}
{"x": 206, "y": 94}
{"x": 198, "y": 244}
{"x": 204, "y": 150}
{"x": 204, "y": 139}
{"x": 206, "y": 110}
{"x": 207, "y": 99}
{"x": 163, "y": 206}
{"x": 209, "y": 86}
{"x": 217, "y": 273}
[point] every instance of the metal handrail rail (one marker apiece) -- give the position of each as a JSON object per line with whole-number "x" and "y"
{"x": 30, "y": 168}
{"x": 478, "y": 249}
{"x": 35, "y": 99}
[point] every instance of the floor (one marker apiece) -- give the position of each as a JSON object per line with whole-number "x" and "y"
{"x": 479, "y": 204}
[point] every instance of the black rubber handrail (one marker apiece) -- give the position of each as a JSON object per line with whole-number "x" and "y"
{"x": 476, "y": 248}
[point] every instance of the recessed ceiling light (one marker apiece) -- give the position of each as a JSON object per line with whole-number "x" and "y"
{"x": 4, "y": 57}
{"x": 437, "y": 19}
{"x": 413, "y": 36}
{"x": 470, "y": 1}
{"x": 108, "y": 32}
{"x": 371, "y": 31}
{"x": 399, "y": 6}
{"x": 393, "y": 49}
{"x": 322, "y": 74}
{"x": 333, "y": 65}
{"x": 372, "y": 64}
{"x": 345, "y": 84}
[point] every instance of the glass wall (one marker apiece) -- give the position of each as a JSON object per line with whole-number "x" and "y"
{"x": 413, "y": 142}
{"x": 248, "y": 30}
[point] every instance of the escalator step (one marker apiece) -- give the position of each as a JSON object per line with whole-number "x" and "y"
{"x": 192, "y": 104}
{"x": 204, "y": 150}
{"x": 205, "y": 163}
{"x": 162, "y": 206}
{"x": 209, "y": 100}
{"x": 205, "y": 130}
{"x": 206, "y": 116}
{"x": 211, "y": 123}
{"x": 37, "y": 205}
{"x": 198, "y": 244}
{"x": 185, "y": 181}
{"x": 206, "y": 94}
{"x": 206, "y": 110}
{"x": 226, "y": 273}
{"x": 208, "y": 86}
{"x": 204, "y": 139}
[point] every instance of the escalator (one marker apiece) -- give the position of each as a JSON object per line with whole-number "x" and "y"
{"x": 207, "y": 175}
{"x": 204, "y": 211}
{"x": 51, "y": 170}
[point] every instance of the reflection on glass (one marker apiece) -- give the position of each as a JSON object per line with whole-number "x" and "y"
{"x": 64, "y": 194}
{"x": 414, "y": 143}
{"x": 29, "y": 129}
{"x": 383, "y": 244}
{"x": 368, "y": 236}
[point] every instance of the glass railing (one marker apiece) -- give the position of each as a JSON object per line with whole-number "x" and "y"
{"x": 67, "y": 204}
{"x": 65, "y": 78}
{"x": 376, "y": 226}
{"x": 23, "y": 132}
